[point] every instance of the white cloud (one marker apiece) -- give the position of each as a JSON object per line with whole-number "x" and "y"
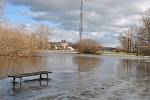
{"x": 122, "y": 22}
{"x": 103, "y": 19}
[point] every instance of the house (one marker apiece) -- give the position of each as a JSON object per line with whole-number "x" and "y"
{"x": 63, "y": 45}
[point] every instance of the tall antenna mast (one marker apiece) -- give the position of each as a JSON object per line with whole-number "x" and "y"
{"x": 81, "y": 20}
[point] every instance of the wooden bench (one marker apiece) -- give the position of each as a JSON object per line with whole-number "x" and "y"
{"x": 40, "y": 73}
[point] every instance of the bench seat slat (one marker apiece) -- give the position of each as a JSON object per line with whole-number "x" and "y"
{"x": 29, "y": 74}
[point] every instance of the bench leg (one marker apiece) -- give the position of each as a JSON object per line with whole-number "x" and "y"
{"x": 40, "y": 78}
{"x": 20, "y": 80}
{"x": 13, "y": 86}
{"x": 47, "y": 76}
{"x": 47, "y": 79}
{"x": 14, "y": 79}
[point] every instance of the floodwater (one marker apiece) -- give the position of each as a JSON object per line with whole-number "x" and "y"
{"x": 77, "y": 77}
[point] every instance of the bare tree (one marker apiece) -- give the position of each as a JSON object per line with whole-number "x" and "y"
{"x": 138, "y": 39}
{"x": 43, "y": 32}
{"x": 126, "y": 39}
{"x": 146, "y": 27}
{"x": 16, "y": 41}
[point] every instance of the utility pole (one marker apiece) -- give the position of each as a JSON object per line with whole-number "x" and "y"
{"x": 81, "y": 20}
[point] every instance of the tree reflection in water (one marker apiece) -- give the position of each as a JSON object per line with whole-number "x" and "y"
{"x": 86, "y": 63}
{"x": 135, "y": 68}
{"x": 12, "y": 65}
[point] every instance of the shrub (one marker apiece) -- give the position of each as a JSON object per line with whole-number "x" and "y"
{"x": 145, "y": 51}
{"x": 88, "y": 46}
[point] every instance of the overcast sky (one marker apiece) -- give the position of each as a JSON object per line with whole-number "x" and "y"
{"x": 103, "y": 19}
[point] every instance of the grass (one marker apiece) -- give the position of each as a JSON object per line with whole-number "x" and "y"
{"x": 118, "y": 53}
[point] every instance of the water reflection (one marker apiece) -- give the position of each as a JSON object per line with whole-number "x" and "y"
{"x": 29, "y": 85}
{"x": 86, "y": 63}
{"x": 134, "y": 68}
{"x": 11, "y": 66}
{"x": 87, "y": 77}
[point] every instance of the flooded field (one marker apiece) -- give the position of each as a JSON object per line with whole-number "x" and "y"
{"x": 77, "y": 77}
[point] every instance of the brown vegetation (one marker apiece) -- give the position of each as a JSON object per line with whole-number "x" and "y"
{"x": 17, "y": 42}
{"x": 88, "y": 46}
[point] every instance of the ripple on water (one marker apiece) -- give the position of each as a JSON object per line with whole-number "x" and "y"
{"x": 78, "y": 78}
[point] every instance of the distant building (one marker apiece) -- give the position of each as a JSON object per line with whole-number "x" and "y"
{"x": 109, "y": 49}
{"x": 63, "y": 45}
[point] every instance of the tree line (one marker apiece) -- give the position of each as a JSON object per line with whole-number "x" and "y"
{"x": 17, "y": 41}
{"x": 137, "y": 38}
